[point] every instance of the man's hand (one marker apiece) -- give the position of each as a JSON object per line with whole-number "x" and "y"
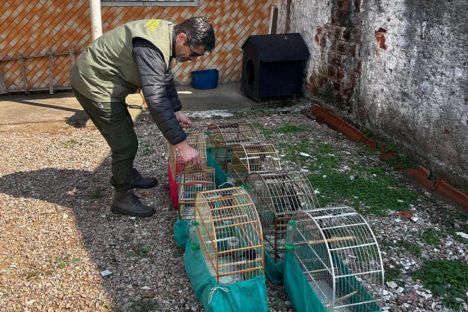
{"x": 184, "y": 121}
{"x": 188, "y": 153}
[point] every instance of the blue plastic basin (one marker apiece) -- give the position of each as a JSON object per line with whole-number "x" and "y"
{"x": 205, "y": 79}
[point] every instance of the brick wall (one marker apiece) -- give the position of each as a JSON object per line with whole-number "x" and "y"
{"x": 339, "y": 42}
{"x": 397, "y": 68}
{"x": 39, "y": 39}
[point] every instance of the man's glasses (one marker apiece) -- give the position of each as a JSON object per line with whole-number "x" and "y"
{"x": 194, "y": 53}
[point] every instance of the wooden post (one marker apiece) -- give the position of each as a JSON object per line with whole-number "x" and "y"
{"x": 72, "y": 56}
{"x": 24, "y": 74}
{"x": 3, "y": 88}
{"x": 288, "y": 16}
{"x": 274, "y": 20}
{"x": 51, "y": 72}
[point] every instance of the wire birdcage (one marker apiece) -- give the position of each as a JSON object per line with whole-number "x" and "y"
{"x": 195, "y": 140}
{"x": 221, "y": 137}
{"x": 197, "y": 179}
{"x": 253, "y": 158}
{"x": 340, "y": 258}
{"x": 230, "y": 234}
{"x": 277, "y": 196}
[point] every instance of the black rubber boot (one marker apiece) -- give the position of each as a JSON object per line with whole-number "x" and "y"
{"x": 141, "y": 182}
{"x": 127, "y": 203}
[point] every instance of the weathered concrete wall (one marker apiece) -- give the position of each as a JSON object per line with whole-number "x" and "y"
{"x": 397, "y": 68}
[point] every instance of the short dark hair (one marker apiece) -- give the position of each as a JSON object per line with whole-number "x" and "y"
{"x": 199, "y": 31}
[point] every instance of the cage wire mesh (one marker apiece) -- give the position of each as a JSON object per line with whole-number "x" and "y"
{"x": 253, "y": 158}
{"x": 277, "y": 196}
{"x": 221, "y": 137}
{"x": 195, "y": 140}
{"x": 339, "y": 255}
{"x": 192, "y": 181}
{"x": 230, "y": 234}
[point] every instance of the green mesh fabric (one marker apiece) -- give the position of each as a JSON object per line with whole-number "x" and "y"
{"x": 245, "y": 296}
{"x": 303, "y": 298}
{"x": 220, "y": 175}
{"x": 274, "y": 271}
{"x": 181, "y": 232}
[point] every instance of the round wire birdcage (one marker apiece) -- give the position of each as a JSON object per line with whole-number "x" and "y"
{"x": 230, "y": 234}
{"x": 253, "y": 158}
{"x": 277, "y": 196}
{"x": 340, "y": 258}
{"x": 221, "y": 137}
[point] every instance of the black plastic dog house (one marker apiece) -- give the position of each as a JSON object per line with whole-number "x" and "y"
{"x": 273, "y": 66}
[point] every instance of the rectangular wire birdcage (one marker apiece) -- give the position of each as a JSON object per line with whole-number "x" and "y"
{"x": 253, "y": 158}
{"x": 340, "y": 258}
{"x": 195, "y": 140}
{"x": 278, "y": 195}
{"x": 230, "y": 234}
{"x": 198, "y": 179}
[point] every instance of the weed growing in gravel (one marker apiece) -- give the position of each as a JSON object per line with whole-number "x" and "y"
{"x": 70, "y": 143}
{"x": 368, "y": 189}
{"x": 144, "y": 305}
{"x": 431, "y": 236}
{"x": 393, "y": 273}
{"x": 287, "y": 129}
{"x": 414, "y": 249}
{"x": 140, "y": 251}
{"x": 63, "y": 261}
{"x": 95, "y": 195}
{"x": 147, "y": 150}
{"x": 447, "y": 279}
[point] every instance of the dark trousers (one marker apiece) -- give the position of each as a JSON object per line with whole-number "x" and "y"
{"x": 114, "y": 122}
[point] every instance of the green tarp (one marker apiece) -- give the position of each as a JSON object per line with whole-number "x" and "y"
{"x": 245, "y": 296}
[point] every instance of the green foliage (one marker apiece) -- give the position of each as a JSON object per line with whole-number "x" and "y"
{"x": 394, "y": 273}
{"x": 63, "y": 261}
{"x": 96, "y": 194}
{"x": 70, "y": 143}
{"x": 372, "y": 192}
{"x": 287, "y": 129}
{"x": 431, "y": 236}
{"x": 409, "y": 247}
{"x": 147, "y": 150}
{"x": 445, "y": 278}
{"x": 140, "y": 251}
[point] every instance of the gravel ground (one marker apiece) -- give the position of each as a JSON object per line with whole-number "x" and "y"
{"x": 58, "y": 236}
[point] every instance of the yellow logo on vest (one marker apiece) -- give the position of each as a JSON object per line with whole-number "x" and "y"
{"x": 152, "y": 24}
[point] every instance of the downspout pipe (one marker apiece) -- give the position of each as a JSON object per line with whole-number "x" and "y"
{"x": 96, "y": 23}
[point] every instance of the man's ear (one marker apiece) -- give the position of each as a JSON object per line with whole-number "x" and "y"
{"x": 181, "y": 37}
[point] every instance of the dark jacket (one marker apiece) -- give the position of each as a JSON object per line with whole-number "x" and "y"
{"x": 158, "y": 88}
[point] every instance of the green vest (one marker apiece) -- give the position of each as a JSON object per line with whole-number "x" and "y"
{"x": 105, "y": 71}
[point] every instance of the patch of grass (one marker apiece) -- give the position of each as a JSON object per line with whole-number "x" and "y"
{"x": 140, "y": 251}
{"x": 147, "y": 150}
{"x": 410, "y": 247}
{"x": 431, "y": 236}
{"x": 288, "y": 129}
{"x": 70, "y": 143}
{"x": 445, "y": 278}
{"x": 401, "y": 163}
{"x": 394, "y": 273}
{"x": 372, "y": 193}
{"x": 144, "y": 305}
{"x": 63, "y": 261}
{"x": 96, "y": 194}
